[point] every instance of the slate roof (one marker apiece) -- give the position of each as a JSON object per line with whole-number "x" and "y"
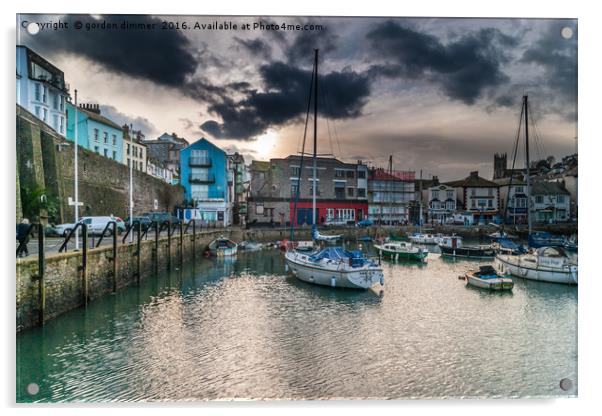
{"x": 548, "y": 188}
{"x": 472, "y": 181}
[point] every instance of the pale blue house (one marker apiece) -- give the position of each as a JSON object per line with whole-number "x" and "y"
{"x": 95, "y": 132}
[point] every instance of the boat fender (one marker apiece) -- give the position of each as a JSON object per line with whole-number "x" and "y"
{"x": 333, "y": 281}
{"x": 382, "y": 280}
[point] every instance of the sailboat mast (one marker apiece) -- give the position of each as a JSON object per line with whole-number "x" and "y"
{"x": 527, "y": 162}
{"x": 391, "y": 190}
{"x": 315, "y": 164}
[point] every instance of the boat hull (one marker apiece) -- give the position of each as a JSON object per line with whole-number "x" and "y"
{"x": 399, "y": 255}
{"x": 513, "y": 265}
{"x": 501, "y": 283}
{"x": 363, "y": 278}
{"x": 223, "y": 252}
{"x": 468, "y": 252}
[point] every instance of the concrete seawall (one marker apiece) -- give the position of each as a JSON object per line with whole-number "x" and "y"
{"x": 67, "y": 285}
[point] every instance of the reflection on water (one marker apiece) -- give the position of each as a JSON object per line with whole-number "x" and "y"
{"x": 243, "y": 328}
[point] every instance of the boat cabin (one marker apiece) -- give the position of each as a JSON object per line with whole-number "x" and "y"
{"x": 453, "y": 241}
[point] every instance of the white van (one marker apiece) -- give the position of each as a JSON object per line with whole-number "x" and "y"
{"x": 96, "y": 225}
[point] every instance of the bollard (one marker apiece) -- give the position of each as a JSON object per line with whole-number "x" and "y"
{"x": 84, "y": 263}
{"x": 193, "y": 239}
{"x": 41, "y": 269}
{"x": 138, "y": 254}
{"x": 168, "y": 245}
{"x": 114, "y": 257}
{"x": 181, "y": 244}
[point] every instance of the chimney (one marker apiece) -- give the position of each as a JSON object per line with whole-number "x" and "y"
{"x": 435, "y": 180}
{"x": 93, "y": 108}
{"x": 474, "y": 174}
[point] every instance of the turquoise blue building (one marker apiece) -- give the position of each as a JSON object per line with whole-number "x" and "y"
{"x": 204, "y": 176}
{"x": 95, "y": 132}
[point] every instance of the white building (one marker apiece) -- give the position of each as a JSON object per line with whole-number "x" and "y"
{"x": 441, "y": 202}
{"x": 134, "y": 151}
{"x": 478, "y": 196}
{"x": 513, "y": 200}
{"x": 41, "y": 89}
{"x": 158, "y": 170}
{"x": 550, "y": 202}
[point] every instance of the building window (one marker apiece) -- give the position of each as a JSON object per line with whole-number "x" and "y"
{"x": 128, "y": 162}
{"x": 55, "y": 101}
{"x": 350, "y": 191}
{"x": 106, "y": 152}
{"x": 361, "y": 192}
{"x": 259, "y": 209}
{"x": 128, "y": 149}
{"x": 560, "y": 199}
{"x": 473, "y": 192}
{"x": 114, "y": 140}
{"x": 62, "y": 125}
{"x": 450, "y": 194}
{"x": 490, "y": 203}
{"x": 135, "y": 151}
{"x": 37, "y": 111}
{"x": 44, "y": 114}
{"x": 490, "y": 191}
{"x": 106, "y": 137}
{"x": 473, "y": 203}
{"x": 518, "y": 190}
{"x": 339, "y": 173}
{"x": 435, "y": 194}
{"x": 114, "y": 154}
{"x": 361, "y": 174}
{"x": 294, "y": 187}
{"x": 450, "y": 206}
{"x": 62, "y": 103}
{"x": 350, "y": 174}
{"x": 96, "y": 134}
{"x": 96, "y": 150}
{"x": 539, "y": 199}
{"x": 295, "y": 170}
{"x": 38, "y": 92}
{"x": 55, "y": 121}
{"x": 45, "y": 94}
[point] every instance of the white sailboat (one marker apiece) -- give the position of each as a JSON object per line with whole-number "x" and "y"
{"x": 546, "y": 264}
{"x": 331, "y": 266}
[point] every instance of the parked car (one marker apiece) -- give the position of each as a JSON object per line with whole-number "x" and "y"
{"x": 335, "y": 222}
{"x": 366, "y": 222}
{"x": 96, "y": 225}
{"x": 162, "y": 216}
{"x": 145, "y": 221}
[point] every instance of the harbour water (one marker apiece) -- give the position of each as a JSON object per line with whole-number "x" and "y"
{"x": 243, "y": 328}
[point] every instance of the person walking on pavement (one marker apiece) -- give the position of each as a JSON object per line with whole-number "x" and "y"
{"x": 23, "y": 237}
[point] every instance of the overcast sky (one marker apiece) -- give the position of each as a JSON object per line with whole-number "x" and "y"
{"x": 441, "y": 95}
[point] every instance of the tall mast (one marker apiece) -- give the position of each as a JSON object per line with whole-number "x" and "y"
{"x": 315, "y": 164}
{"x": 420, "y": 199}
{"x": 527, "y": 163}
{"x": 391, "y": 190}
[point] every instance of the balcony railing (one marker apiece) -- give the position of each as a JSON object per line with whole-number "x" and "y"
{"x": 206, "y": 196}
{"x": 196, "y": 178}
{"x": 200, "y": 161}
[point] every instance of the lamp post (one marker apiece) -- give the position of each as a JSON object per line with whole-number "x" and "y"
{"x": 76, "y": 178}
{"x": 131, "y": 153}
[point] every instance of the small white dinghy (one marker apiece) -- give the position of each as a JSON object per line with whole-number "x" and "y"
{"x": 487, "y": 278}
{"x": 223, "y": 247}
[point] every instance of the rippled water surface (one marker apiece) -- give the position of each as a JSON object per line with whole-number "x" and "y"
{"x": 245, "y": 329}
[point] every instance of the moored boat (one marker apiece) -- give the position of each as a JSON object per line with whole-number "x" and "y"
{"x": 487, "y": 278}
{"x": 401, "y": 250}
{"x": 223, "y": 247}
{"x": 546, "y": 264}
{"x": 452, "y": 247}
{"x": 420, "y": 238}
{"x": 335, "y": 267}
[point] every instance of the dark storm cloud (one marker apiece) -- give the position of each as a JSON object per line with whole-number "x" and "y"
{"x": 284, "y": 100}
{"x": 256, "y": 47}
{"x": 305, "y": 42}
{"x": 138, "y": 123}
{"x": 557, "y": 57}
{"x": 463, "y": 68}
{"x": 160, "y": 56}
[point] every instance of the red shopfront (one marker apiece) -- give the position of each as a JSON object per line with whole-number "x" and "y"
{"x": 341, "y": 210}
